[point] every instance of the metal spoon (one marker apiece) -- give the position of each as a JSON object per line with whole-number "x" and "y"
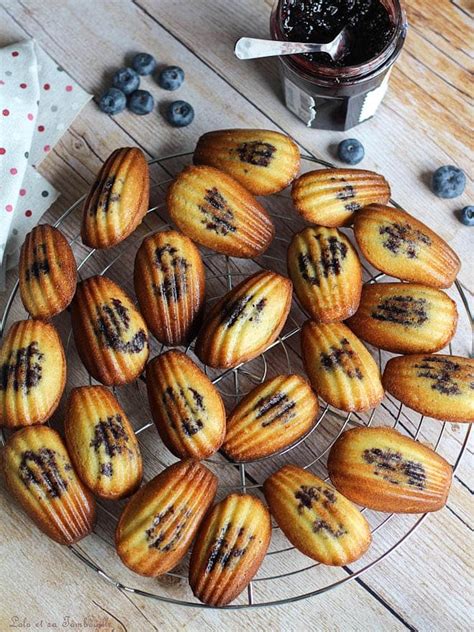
{"x": 252, "y": 48}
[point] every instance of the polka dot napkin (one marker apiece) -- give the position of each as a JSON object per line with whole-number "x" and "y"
{"x": 38, "y": 102}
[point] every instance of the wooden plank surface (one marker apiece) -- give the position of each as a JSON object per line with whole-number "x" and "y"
{"x": 423, "y": 123}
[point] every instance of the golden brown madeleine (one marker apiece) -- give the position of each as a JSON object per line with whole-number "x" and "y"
{"x": 32, "y": 373}
{"x": 159, "y": 523}
{"x": 47, "y": 272}
{"x": 101, "y": 442}
{"x": 398, "y": 244}
{"x": 326, "y": 272}
{"x": 229, "y": 548}
{"x": 118, "y": 199}
{"x": 340, "y": 368}
{"x": 315, "y": 518}
{"x": 186, "y": 407}
{"x": 330, "y": 197}
{"x": 170, "y": 281}
{"x": 381, "y": 469}
{"x": 217, "y": 212}
{"x": 271, "y": 417}
{"x": 109, "y": 332}
{"x": 263, "y": 161}
{"x": 405, "y": 317}
{"x": 39, "y": 474}
{"x": 245, "y": 321}
{"x": 440, "y": 386}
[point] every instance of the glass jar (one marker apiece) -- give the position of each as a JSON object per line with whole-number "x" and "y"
{"x": 337, "y": 98}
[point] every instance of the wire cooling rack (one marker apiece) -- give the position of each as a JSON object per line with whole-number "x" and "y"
{"x": 286, "y": 575}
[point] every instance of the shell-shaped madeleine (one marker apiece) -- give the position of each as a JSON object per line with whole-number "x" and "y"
{"x": 101, "y": 442}
{"x": 330, "y": 197}
{"x": 159, "y": 523}
{"x": 47, "y": 272}
{"x": 340, "y": 369}
{"x": 110, "y": 334}
{"x": 186, "y": 407}
{"x": 405, "y": 317}
{"x": 32, "y": 373}
{"x": 169, "y": 282}
{"x": 245, "y": 321}
{"x": 39, "y": 474}
{"x": 118, "y": 199}
{"x": 398, "y": 244}
{"x": 216, "y": 211}
{"x": 262, "y": 160}
{"x": 229, "y": 548}
{"x": 440, "y": 386}
{"x": 316, "y": 518}
{"x": 271, "y": 417}
{"x": 326, "y": 273}
{"x": 381, "y": 469}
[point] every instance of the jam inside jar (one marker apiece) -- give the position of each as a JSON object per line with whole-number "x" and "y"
{"x": 338, "y": 95}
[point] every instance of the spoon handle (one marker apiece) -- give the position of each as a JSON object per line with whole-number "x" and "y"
{"x": 252, "y": 48}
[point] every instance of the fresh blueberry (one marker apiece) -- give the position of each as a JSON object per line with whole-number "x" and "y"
{"x": 126, "y": 79}
{"x": 113, "y": 101}
{"x": 144, "y": 63}
{"x": 141, "y": 102}
{"x": 467, "y": 215}
{"x": 171, "y": 78}
{"x": 180, "y": 114}
{"x": 350, "y": 151}
{"x": 448, "y": 182}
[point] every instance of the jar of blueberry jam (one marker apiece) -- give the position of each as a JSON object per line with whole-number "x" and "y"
{"x": 338, "y": 95}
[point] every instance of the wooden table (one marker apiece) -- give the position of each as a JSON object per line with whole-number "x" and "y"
{"x": 424, "y": 122}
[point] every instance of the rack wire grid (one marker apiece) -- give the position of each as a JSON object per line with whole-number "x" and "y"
{"x": 285, "y": 575}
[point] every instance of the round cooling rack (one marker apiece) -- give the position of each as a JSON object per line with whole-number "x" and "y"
{"x": 285, "y": 575}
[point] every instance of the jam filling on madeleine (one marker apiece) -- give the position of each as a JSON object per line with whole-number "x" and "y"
{"x": 40, "y": 468}
{"x": 113, "y": 320}
{"x": 218, "y": 216}
{"x": 392, "y": 467}
{"x": 330, "y": 263}
{"x": 110, "y": 434}
{"x": 403, "y": 239}
{"x": 158, "y": 535}
{"x": 442, "y": 373}
{"x": 256, "y": 153}
{"x": 244, "y": 305}
{"x": 225, "y": 555}
{"x": 276, "y": 407}
{"x": 342, "y": 357}
{"x": 191, "y": 422}
{"x": 106, "y": 196}
{"x": 40, "y": 264}
{"x": 307, "y": 495}
{"x": 22, "y": 369}
{"x": 174, "y": 267}
{"x": 403, "y": 310}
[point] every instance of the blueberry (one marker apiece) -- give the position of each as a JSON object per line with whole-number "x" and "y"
{"x": 113, "y": 101}
{"x": 350, "y": 151}
{"x": 171, "y": 78}
{"x": 144, "y": 63}
{"x": 141, "y": 102}
{"x": 180, "y": 114}
{"x": 448, "y": 182}
{"x": 126, "y": 79}
{"x": 467, "y": 215}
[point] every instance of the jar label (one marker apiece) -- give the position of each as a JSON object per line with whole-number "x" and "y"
{"x": 299, "y": 102}
{"x": 373, "y": 99}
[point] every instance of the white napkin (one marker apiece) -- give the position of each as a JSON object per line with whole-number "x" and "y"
{"x": 38, "y": 102}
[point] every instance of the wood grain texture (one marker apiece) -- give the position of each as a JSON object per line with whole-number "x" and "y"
{"x": 423, "y": 123}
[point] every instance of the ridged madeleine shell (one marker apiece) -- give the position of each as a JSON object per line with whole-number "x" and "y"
{"x": 331, "y": 197}
{"x": 326, "y": 273}
{"x": 405, "y": 317}
{"x": 169, "y": 280}
{"x": 101, "y": 442}
{"x": 315, "y": 518}
{"x": 403, "y": 247}
{"x": 271, "y": 417}
{"x": 118, "y": 199}
{"x": 339, "y": 367}
{"x": 39, "y": 474}
{"x": 229, "y": 548}
{"x": 245, "y": 321}
{"x": 381, "y": 469}
{"x": 439, "y": 386}
{"x": 47, "y": 272}
{"x": 216, "y": 211}
{"x": 32, "y": 373}
{"x": 110, "y": 334}
{"x": 159, "y": 523}
{"x": 186, "y": 407}
{"x": 262, "y": 160}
